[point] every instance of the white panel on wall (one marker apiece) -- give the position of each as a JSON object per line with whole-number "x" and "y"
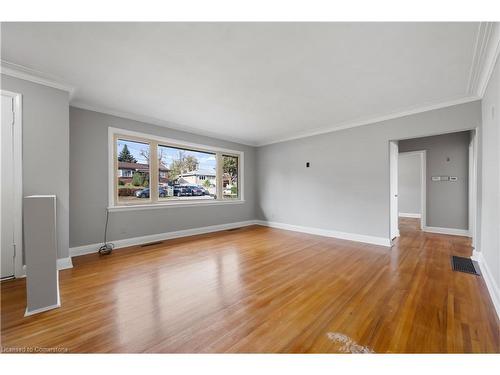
{"x": 40, "y": 246}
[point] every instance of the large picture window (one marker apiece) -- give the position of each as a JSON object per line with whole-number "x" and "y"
{"x": 189, "y": 174}
{"x": 149, "y": 170}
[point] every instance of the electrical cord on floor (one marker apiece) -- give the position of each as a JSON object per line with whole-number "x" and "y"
{"x": 106, "y": 248}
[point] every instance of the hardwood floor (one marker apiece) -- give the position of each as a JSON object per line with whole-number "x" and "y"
{"x": 259, "y": 289}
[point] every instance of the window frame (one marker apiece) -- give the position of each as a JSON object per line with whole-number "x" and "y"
{"x": 154, "y": 141}
{"x": 222, "y": 175}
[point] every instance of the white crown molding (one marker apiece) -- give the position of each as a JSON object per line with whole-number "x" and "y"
{"x": 27, "y": 74}
{"x": 374, "y": 120}
{"x": 154, "y": 121}
{"x": 330, "y": 129}
{"x": 486, "y": 50}
{"x": 21, "y": 72}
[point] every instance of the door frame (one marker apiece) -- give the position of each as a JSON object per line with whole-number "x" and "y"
{"x": 473, "y": 185}
{"x": 18, "y": 180}
{"x": 423, "y": 183}
{"x": 393, "y": 181}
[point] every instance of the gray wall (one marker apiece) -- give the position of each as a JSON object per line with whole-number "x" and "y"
{"x": 45, "y": 147}
{"x": 447, "y": 203}
{"x": 347, "y": 186}
{"x": 489, "y": 243}
{"x": 409, "y": 184}
{"x": 89, "y": 185}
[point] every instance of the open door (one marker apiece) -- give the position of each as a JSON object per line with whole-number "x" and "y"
{"x": 393, "y": 161}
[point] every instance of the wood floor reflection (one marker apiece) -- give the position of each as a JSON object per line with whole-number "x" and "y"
{"x": 259, "y": 289}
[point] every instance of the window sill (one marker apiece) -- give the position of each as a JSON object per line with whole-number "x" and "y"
{"x": 136, "y": 207}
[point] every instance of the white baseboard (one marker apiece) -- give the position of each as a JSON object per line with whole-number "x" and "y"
{"x": 92, "y": 248}
{"x": 64, "y": 263}
{"x": 329, "y": 233}
{"x": 475, "y": 255}
{"x": 37, "y": 311}
{"x": 406, "y": 214}
{"x": 451, "y": 231}
{"x": 46, "y": 308}
{"x": 493, "y": 288}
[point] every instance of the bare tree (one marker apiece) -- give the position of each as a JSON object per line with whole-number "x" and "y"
{"x": 145, "y": 155}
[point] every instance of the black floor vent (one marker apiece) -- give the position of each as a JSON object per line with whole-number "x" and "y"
{"x": 466, "y": 265}
{"x": 152, "y": 243}
{"x": 232, "y": 229}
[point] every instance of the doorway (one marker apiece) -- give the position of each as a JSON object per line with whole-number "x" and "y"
{"x": 448, "y": 183}
{"x": 412, "y": 186}
{"x": 11, "y": 186}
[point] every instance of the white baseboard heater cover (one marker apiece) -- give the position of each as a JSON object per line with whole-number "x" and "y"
{"x": 40, "y": 250}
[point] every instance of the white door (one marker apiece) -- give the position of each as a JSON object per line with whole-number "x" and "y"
{"x": 393, "y": 160}
{"x": 7, "y": 188}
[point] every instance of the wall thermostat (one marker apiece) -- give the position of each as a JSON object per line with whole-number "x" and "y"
{"x": 444, "y": 178}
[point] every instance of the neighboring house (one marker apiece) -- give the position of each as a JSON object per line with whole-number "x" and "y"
{"x": 126, "y": 171}
{"x": 198, "y": 177}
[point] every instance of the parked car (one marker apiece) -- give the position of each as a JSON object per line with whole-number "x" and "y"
{"x": 144, "y": 193}
{"x": 182, "y": 190}
{"x": 196, "y": 190}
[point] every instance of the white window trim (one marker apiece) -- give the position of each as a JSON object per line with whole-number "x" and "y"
{"x": 113, "y": 206}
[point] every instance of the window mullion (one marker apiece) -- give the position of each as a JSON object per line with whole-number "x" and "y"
{"x": 115, "y": 170}
{"x": 219, "y": 175}
{"x": 153, "y": 172}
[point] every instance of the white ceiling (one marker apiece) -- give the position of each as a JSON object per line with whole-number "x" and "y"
{"x": 256, "y": 83}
